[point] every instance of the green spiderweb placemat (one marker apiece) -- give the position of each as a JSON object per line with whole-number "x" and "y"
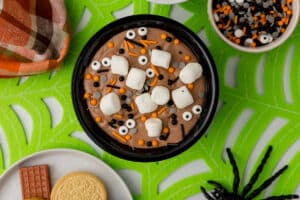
{"x": 259, "y": 106}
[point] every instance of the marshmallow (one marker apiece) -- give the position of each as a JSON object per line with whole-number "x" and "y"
{"x": 190, "y": 73}
{"x": 136, "y": 78}
{"x": 145, "y": 103}
{"x": 182, "y": 97}
{"x": 119, "y": 65}
{"x": 153, "y": 127}
{"x": 160, "y": 95}
{"x": 160, "y": 58}
{"x": 110, "y": 104}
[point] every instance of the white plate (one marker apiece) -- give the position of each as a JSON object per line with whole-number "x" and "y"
{"x": 62, "y": 162}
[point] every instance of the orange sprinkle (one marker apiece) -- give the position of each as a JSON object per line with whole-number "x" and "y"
{"x": 98, "y": 119}
{"x": 161, "y": 110}
{"x": 119, "y": 137}
{"x": 132, "y": 106}
{"x": 93, "y": 102}
{"x": 143, "y": 51}
{"x": 165, "y": 130}
{"x": 109, "y": 89}
{"x": 163, "y": 36}
{"x": 141, "y": 142}
{"x": 154, "y": 69}
{"x": 154, "y": 81}
{"x": 171, "y": 70}
{"x": 96, "y": 78}
{"x": 176, "y": 41}
{"x": 236, "y": 19}
{"x": 154, "y": 143}
{"x": 282, "y": 30}
{"x": 154, "y": 115}
{"x": 128, "y": 137}
{"x": 143, "y": 118}
{"x": 110, "y": 44}
{"x": 149, "y": 41}
{"x": 118, "y": 116}
{"x": 86, "y": 95}
{"x": 88, "y": 76}
{"x": 280, "y": 23}
{"x": 122, "y": 90}
{"x": 112, "y": 81}
{"x": 126, "y": 45}
{"x": 190, "y": 86}
{"x": 131, "y": 46}
{"x": 187, "y": 58}
{"x": 253, "y": 44}
{"x": 133, "y": 54}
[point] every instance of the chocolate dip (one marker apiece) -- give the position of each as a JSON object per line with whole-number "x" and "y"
{"x": 137, "y": 47}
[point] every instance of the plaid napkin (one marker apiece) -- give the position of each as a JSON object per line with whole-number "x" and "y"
{"x": 33, "y": 36}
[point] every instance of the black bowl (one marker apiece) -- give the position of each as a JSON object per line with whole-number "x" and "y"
{"x": 104, "y": 140}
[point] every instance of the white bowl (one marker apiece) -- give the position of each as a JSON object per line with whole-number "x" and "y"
{"x": 281, "y": 39}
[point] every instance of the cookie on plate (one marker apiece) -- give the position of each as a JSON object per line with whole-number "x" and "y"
{"x": 79, "y": 186}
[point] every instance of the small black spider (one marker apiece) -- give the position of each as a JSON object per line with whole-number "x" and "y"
{"x": 221, "y": 193}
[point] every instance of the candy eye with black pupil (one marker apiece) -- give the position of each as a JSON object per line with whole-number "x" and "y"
{"x": 187, "y": 116}
{"x": 96, "y": 65}
{"x": 130, "y": 123}
{"x": 123, "y": 130}
{"x": 142, "y": 31}
{"x": 106, "y": 62}
{"x": 130, "y": 34}
{"x": 143, "y": 60}
{"x": 150, "y": 73}
{"x": 197, "y": 109}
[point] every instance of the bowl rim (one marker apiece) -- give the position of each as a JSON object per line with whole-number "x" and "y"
{"x": 113, "y": 146}
{"x": 276, "y": 43}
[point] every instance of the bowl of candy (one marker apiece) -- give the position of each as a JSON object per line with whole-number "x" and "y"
{"x": 145, "y": 88}
{"x": 254, "y": 25}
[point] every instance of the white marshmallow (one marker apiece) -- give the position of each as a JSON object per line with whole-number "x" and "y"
{"x": 160, "y": 95}
{"x": 182, "y": 97}
{"x": 119, "y": 65}
{"x": 145, "y": 103}
{"x": 136, "y": 78}
{"x": 160, "y": 58}
{"x": 190, "y": 73}
{"x": 110, "y": 104}
{"x": 153, "y": 127}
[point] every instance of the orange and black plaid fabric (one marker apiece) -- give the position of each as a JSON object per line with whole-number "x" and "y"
{"x": 33, "y": 36}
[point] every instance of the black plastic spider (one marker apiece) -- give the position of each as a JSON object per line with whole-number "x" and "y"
{"x": 221, "y": 193}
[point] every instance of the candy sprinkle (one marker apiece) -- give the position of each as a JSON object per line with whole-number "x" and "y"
{"x": 252, "y": 23}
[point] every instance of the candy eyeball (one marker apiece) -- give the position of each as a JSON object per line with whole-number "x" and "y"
{"x": 130, "y": 123}
{"x": 143, "y": 60}
{"x": 123, "y": 130}
{"x": 142, "y": 31}
{"x": 96, "y": 65}
{"x": 130, "y": 34}
{"x": 150, "y": 73}
{"x": 264, "y": 39}
{"x": 187, "y": 116}
{"x": 197, "y": 109}
{"x": 106, "y": 62}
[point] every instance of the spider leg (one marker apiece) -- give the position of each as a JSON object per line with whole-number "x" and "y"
{"x": 217, "y": 185}
{"x": 258, "y": 171}
{"x": 235, "y": 169}
{"x": 266, "y": 183}
{"x": 206, "y": 194}
{"x": 283, "y": 197}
